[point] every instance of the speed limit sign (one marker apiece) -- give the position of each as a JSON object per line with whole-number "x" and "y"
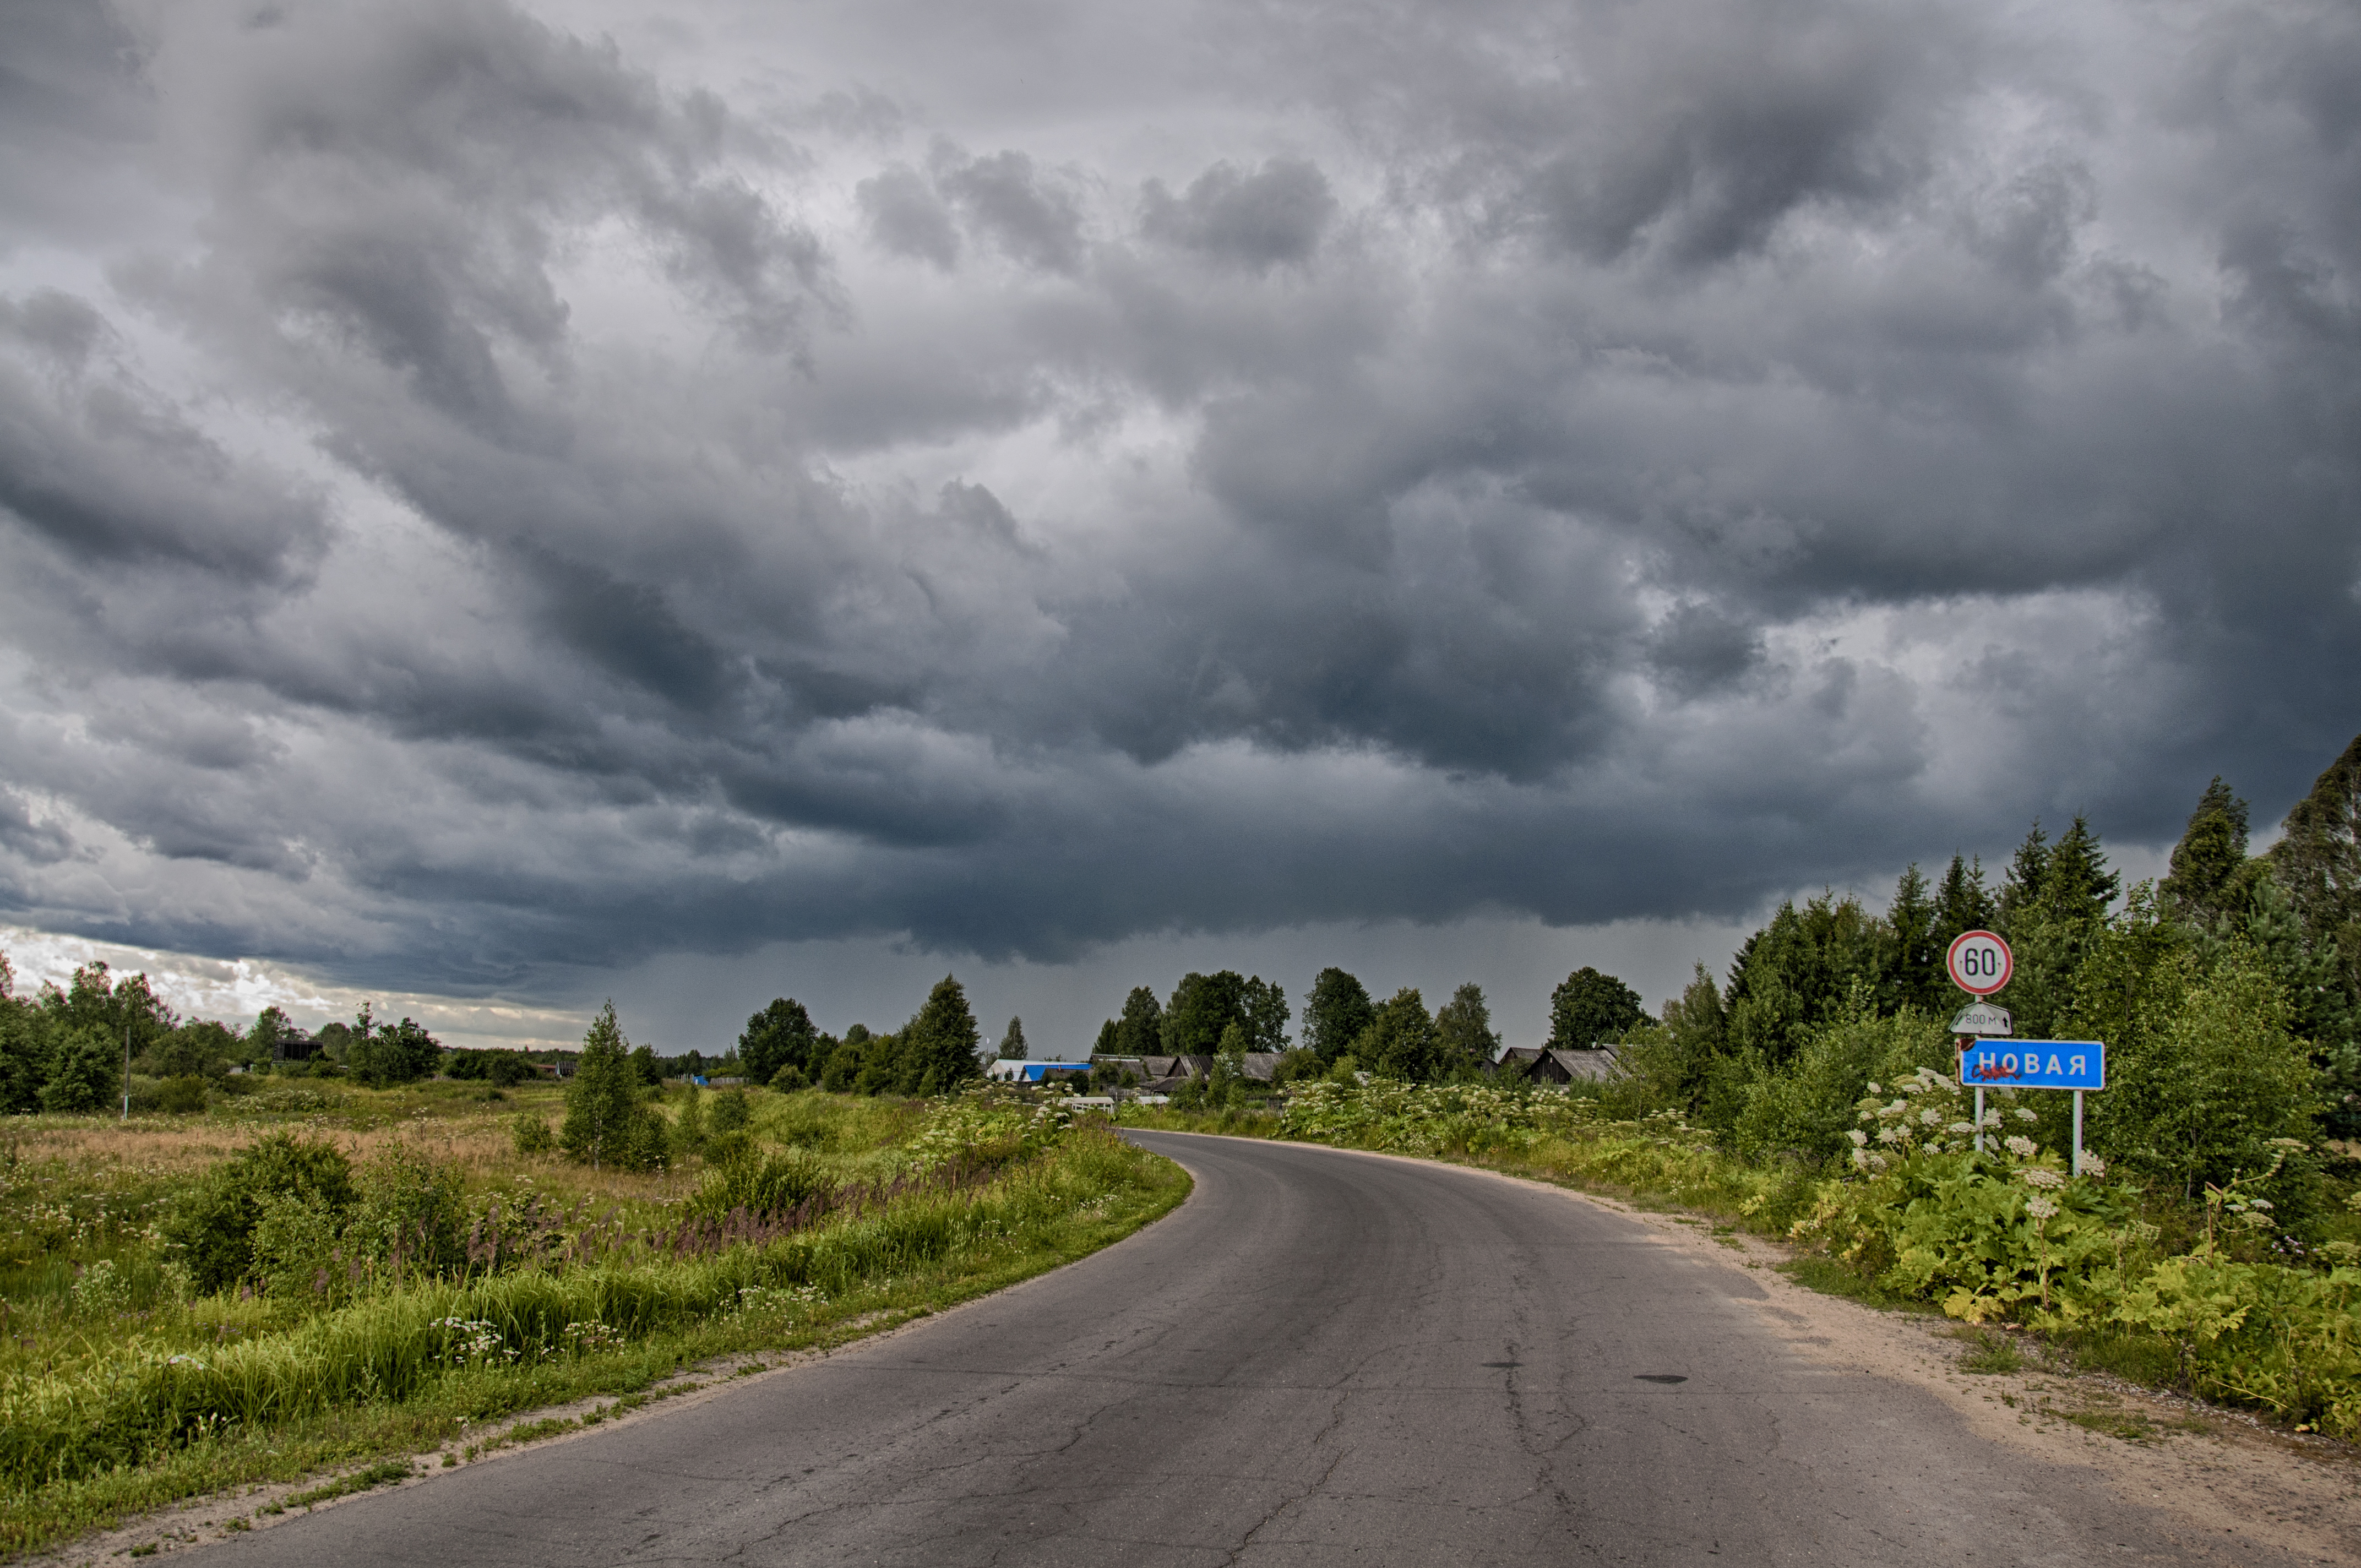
{"x": 1980, "y": 963}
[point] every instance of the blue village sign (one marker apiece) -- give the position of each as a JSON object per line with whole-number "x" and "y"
{"x": 2034, "y": 1064}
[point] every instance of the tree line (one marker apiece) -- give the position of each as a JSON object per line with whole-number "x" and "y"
{"x": 2227, "y": 994}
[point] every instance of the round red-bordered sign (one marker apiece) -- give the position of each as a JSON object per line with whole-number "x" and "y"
{"x": 1980, "y": 963}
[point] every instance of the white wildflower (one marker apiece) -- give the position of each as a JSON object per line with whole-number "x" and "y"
{"x": 2093, "y": 1165}
{"x": 1858, "y": 1137}
{"x": 1861, "y": 1158}
{"x": 1874, "y": 1089}
{"x": 2041, "y": 1208}
{"x": 2037, "y": 1177}
{"x": 2025, "y": 1116}
{"x": 2262, "y": 1203}
{"x": 1930, "y": 1117}
{"x": 2022, "y": 1148}
{"x": 1960, "y": 1128}
{"x": 1889, "y": 1134}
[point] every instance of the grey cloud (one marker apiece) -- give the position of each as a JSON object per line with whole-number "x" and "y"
{"x": 1695, "y": 649}
{"x": 99, "y": 464}
{"x": 908, "y": 218}
{"x": 1702, "y": 417}
{"x": 1030, "y": 216}
{"x": 1274, "y": 215}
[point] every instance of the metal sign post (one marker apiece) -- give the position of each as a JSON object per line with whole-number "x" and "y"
{"x": 2077, "y": 1065}
{"x": 1980, "y": 963}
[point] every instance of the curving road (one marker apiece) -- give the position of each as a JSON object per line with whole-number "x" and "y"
{"x": 1321, "y": 1358}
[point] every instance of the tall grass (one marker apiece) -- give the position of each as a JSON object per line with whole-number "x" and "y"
{"x": 113, "y": 1391}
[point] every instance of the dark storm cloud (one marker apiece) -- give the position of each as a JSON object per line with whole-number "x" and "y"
{"x": 1027, "y": 213}
{"x": 1275, "y": 215}
{"x": 1579, "y": 460}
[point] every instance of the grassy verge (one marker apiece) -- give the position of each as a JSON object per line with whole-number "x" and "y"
{"x": 119, "y": 1402}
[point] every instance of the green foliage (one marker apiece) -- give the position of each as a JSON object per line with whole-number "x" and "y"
{"x": 607, "y": 1123}
{"x": 199, "y": 1048}
{"x": 85, "y": 1070}
{"x": 1266, "y": 1012}
{"x": 732, "y": 1111}
{"x": 1140, "y": 1031}
{"x": 2211, "y": 874}
{"x": 2202, "y": 1074}
{"x": 1961, "y": 903}
{"x": 1402, "y": 1042}
{"x": 1203, "y": 1005}
{"x": 1334, "y": 1014}
{"x": 1808, "y": 1109}
{"x": 1671, "y": 1064}
{"x": 213, "y": 1225}
{"x": 24, "y": 1053}
{"x": 347, "y": 1328}
{"x": 1589, "y": 1009}
{"x": 687, "y": 1135}
{"x": 760, "y": 1186}
{"x": 181, "y": 1096}
{"x": 939, "y": 1046}
{"x": 1012, "y": 1042}
{"x": 382, "y": 1054}
{"x": 1911, "y": 949}
{"x": 532, "y": 1134}
{"x": 780, "y": 1035}
{"x": 2318, "y": 861}
{"x": 2052, "y": 912}
{"x": 1462, "y": 1031}
{"x": 1794, "y": 973}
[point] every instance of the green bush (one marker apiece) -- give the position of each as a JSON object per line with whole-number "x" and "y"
{"x": 179, "y": 1096}
{"x": 85, "y": 1072}
{"x": 213, "y": 1225}
{"x": 1807, "y": 1106}
{"x": 732, "y": 1111}
{"x": 2204, "y": 1076}
{"x": 772, "y": 1186}
{"x": 532, "y": 1135}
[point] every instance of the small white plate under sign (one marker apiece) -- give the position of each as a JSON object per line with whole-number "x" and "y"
{"x": 1983, "y": 1018}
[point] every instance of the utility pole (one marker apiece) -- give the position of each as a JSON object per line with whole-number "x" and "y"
{"x": 126, "y": 1070}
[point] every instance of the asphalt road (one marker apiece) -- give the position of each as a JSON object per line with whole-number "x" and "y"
{"x": 1321, "y": 1358}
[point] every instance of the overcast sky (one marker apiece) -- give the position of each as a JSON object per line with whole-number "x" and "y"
{"x": 527, "y": 502}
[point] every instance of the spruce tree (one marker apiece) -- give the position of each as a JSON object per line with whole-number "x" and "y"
{"x": 2027, "y": 872}
{"x": 1012, "y": 1042}
{"x": 2210, "y": 877}
{"x": 2053, "y": 925}
{"x": 2318, "y": 861}
{"x": 1963, "y": 903}
{"x": 939, "y": 1049}
{"x": 1911, "y": 960}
